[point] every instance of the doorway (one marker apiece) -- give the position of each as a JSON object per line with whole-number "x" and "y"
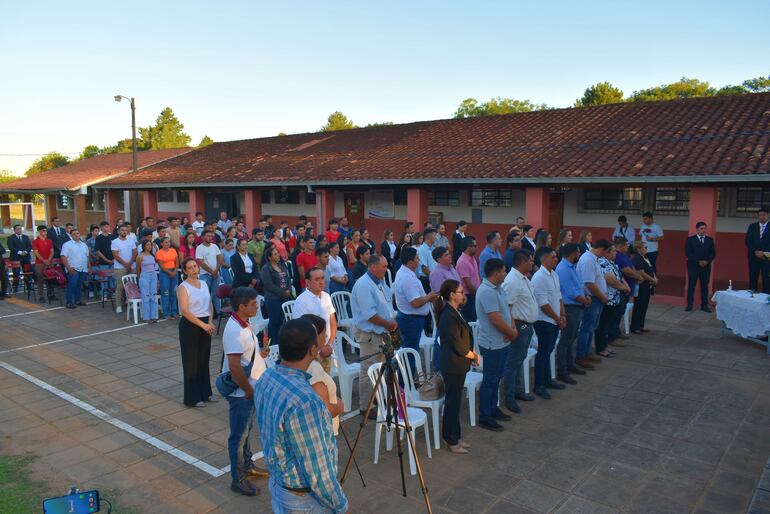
{"x": 555, "y": 213}
{"x": 354, "y": 209}
{"x": 217, "y": 201}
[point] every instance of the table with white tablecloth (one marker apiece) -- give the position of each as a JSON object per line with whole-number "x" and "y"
{"x": 745, "y": 314}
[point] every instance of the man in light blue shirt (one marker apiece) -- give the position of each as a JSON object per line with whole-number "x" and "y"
{"x": 74, "y": 257}
{"x": 575, "y": 301}
{"x": 373, "y": 316}
{"x": 595, "y": 288}
{"x": 427, "y": 263}
{"x": 412, "y": 302}
{"x": 650, "y": 232}
{"x": 492, "y": 251}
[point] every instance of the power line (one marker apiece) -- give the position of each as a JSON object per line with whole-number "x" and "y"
{"x": 35, "y": 154}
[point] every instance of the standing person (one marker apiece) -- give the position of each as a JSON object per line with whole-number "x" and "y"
{"x": 344, "y": 228}
{"x": 105, "y": 259}
{"x": 317, "y": 302}
{"x": 427, "y": 262}
{"x": 299, "y": 233}
{"x": 209, "y": 258}
{"x": 58, "y": 235}
{"x": 195, "y": 329}
{"x": 757, "y": 242}
{"x": 444, "y": 270}
{"x": 74, "y": 257}
{"x": 513, "y": 242}
{"x": 174, "y": 231}
{"x": 20, "y": 248}
{"x": 543, "y": 240}
{"x": 147, "y": 273}
{"x": 124, "y": 254}
{"x": 245, "y": 362}
{"x": 617, "y": 288}
{"x": 441, "y": 239}
{"x": 623, "y": 229}
{"x": 470, "y": 278}
{"x": 332, "y": 232}
{"x": 456, "y": 356}
{"x": 352, "y": 247}
{"x": 551, "y": 318}
{"x": 275, "y": 239}
{"x": 632, "y": 277}
{"x": 575, "y": 302}
{"x": 322, "y": 254}
{"x": 187, "y": 250}
{"x": 565, "y": 237}
{"x": 42, "y": 247}
{"x": 496, "y": 331}
{"x": 223, "y": 223}
{"x": 585, "y": 240}
{"x": 256, "y": 246}
{"x": 306, "y": 259}
{"x": 245, "y": 269}
{"x": 457, "y": 241}
{"x": 492, "y": 250}
{"x": 3, "y": 275}
{"x": 361, "y": 265}
{"x": 522, "y": 304}
{"x": 528, "y": 241}
{"x": 296, "y": 429}
{"x": 338, "y": 277}
{"x": 199, "y": 224}
{"x": 700, "y": 252}
{"x": 651, "y": 233}
{"x": 649, "y": 280}
{"x": 168, "y": 277}
{"x": 388, "y": 248}
{"x": 227, "y": 254}
{"x": 276, "y": 286}
{"x": 320, "y": 380}
{"x": 595, "y": 286}
{"x": 411, "y": 301}
{"x": 367, "y": 241}
{"x": 373, "y": 316}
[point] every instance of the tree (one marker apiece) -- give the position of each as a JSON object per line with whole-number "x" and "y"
{"x": 758, "y": 85}
{"x": 166, "y": 133}
{"x": 470, "y": 107}
{"x": 380, "y": 124}
{"x": 47, "y": 162}
{"x": 338, "y": 121}
{"x": 731, "y": 90}
{"x": 90, "y": 151}
{"x": 282, "y": 134}
{"x": 205, "y": 141}
{"x": 685, "y": 88}
{"x": 7, "y": 176}
{"x": 600, "y": 94}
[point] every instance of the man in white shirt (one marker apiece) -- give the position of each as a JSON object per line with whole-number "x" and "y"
{"x": 74, "y": 256}
{"x": 314, "y": 300}
{"x": 240, "y": 347}
{"x": 650, "y": 232}
{"x": 427, "y": 263}
{"x": 550, "y": 319}
{"x": 623, "y": 229}
{"x": 591, "y": 275}
{"x": 520, "y": 297}
{"x": 124, "y": 254}
{"x": 199, "y": 223}
{"x": 210, "y": 260}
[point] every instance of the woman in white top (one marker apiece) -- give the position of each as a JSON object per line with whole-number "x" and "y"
{"x": 195, "y": 332}
{"x": 337, "y": 274}
{"x": 321, "y": 382}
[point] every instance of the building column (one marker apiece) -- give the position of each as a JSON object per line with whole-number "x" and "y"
{"x": 5, "y": 212}
{"x": 703, "y": 207}
{"x": 80, "y": 214}
{"x": 111, "y": 200}
{"x": 324, "y": 208}
{"x": 417, "y": 207}
{"x": 27, "y": 212}
{"x": 150, "y": 203}
{"x": 197, "y": 203}
{"x": 252, "y": 204}
{"x": 537, "y": 207}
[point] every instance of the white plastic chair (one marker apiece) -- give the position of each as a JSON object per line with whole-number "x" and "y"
{"x": 627, "y": 317}
{"x": 417, "y": 418}
{"x": 132, "y": 304}
{"x": 272, "y": 359}
{"x": 529, "y": 360}
{"x": 426, "y": 341}
{"x": 346, "y": 373}
{"x": 287, "y": 307}
{"x": 341, "y": 302}
{"x": 258, "y": 323}
{"x": 411, "y": 392}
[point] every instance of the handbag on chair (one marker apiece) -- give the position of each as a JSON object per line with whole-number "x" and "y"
{"x": 432, "y": 387}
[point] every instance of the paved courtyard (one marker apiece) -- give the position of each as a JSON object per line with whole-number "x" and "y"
{"x": 678, "y": 422}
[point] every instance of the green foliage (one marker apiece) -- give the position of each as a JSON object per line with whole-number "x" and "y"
{"x": 47, "y": 162}
{"x": 90, "y": 151}
{"x": 282, "y": 134}
{"x": 684, "y": 88}
{"x": 7, "y": 176}
{"x": 731, "y": 90}
{"x": 599, "y": 94}
{"x": 758, "y": 85}
{"x": 470, "y": 107}
{"x": 380, "y": 124}
{"x": 166, "y": 133}
{"x": 205, "y": 141}
{"x": 338, "y": 121}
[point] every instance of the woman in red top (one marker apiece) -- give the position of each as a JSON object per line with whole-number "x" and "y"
{"x": 279, "y": 245}
{"x": 187, "y": 250}
{"x": 42, "y": 247}
{"x": 352, "y": 246}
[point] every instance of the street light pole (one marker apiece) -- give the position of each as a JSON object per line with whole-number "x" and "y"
{"x": 126, "y": 194}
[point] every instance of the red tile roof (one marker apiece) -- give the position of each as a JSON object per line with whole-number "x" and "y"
{"x": 716, "y": 138}
{"x": 88, "y": 171}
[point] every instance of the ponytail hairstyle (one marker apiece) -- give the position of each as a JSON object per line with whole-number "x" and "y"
{"x": 449, "y": 286}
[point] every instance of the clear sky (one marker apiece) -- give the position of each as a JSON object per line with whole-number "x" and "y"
{"x": 236, "y": 70}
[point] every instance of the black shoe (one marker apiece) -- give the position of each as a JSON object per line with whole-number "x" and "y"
{"x": 513, "y": 407}
{"x": 70, "y": 305}
{"x": 705, "y": 308}
{"x": 491, "y": 424}
{"x": 500, "y": 415}
{"x": 41, "y": 300}
{"x": 543, "y": 393}
{"x": 82, "y": 304}
{"x": 555, "y": 385}
{"x": 688, "y": 308}
{"x": 524, "y": 397}
{"x": 567, "y": 379}
{"x": 574, "y": 370}
{"x": 244, "y": 487}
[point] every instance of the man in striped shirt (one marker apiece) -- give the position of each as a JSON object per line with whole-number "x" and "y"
{"x": 296, "y": 429}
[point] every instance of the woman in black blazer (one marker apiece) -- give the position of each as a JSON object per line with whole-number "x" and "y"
{"x": 389, "y": 248}
{"x": 455, "y": 359}
{"x": 238, "y": 264}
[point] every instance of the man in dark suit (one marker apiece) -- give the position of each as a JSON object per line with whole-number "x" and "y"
{"x": 58, "y": 235}
{"x": 457, "y": 240}
{"x": 700, "y": 252}
{"x": 758, "y": 242}
{"x": 21, "y": 251}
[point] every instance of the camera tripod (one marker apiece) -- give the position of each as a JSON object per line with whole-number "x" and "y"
{"x": 393, "y": 403}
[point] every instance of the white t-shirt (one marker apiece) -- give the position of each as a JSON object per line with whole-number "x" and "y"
{"x": 125, "y": 248}
{"x": 237, "y": 339}
{"x": 207, "y": 254}
{"x": 317, "y": 374}
{"x": 76, "y": 254}
{"x": 308, "y": 303}
{"x": 653, "y": 230}
{"x": 198, "y": 226}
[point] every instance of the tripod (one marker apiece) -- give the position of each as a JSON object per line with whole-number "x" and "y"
{"x": 393, "y": 402}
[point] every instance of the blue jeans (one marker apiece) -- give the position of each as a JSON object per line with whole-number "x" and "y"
{"x": 469, "y": 309}
{"x": 212, "y": 284}
{"x": 287, "y": 502}
{"x": 513, "y": 379}
{"x": 546, "y": 340}
{"x": 168, "y": 293}
{"x": 275, "y": 316}
{"x": 239, "y": 441}
{"x": 587, "y": 326}
{"x": 75, "y": 281}
{"x": 411, "y": 330}
{"x": 494, "y": 365}
{"x": 148, "y": 286}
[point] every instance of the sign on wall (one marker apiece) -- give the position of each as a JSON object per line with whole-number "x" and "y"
{"x": 379, "y": 204}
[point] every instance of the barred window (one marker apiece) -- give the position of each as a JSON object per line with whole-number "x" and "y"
{"x": 626, "y": 199}
{"x": 164, "y": 195}
{"x": 491, "y": 198}
{"x": 673, "y": 199}
{"x": 287, "y": 196}
{"x": 64, "y": 203}
{"x": 95, "y": 200}
{"x": 447, "y": 198}
{"x": 265, "y": 196}
{"x": 751, "y": 199}
{"x": 399, "y": 197}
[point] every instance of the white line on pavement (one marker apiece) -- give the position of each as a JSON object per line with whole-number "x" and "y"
{"x": 38, "y": 310}
{"x": 139, "y": 434}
